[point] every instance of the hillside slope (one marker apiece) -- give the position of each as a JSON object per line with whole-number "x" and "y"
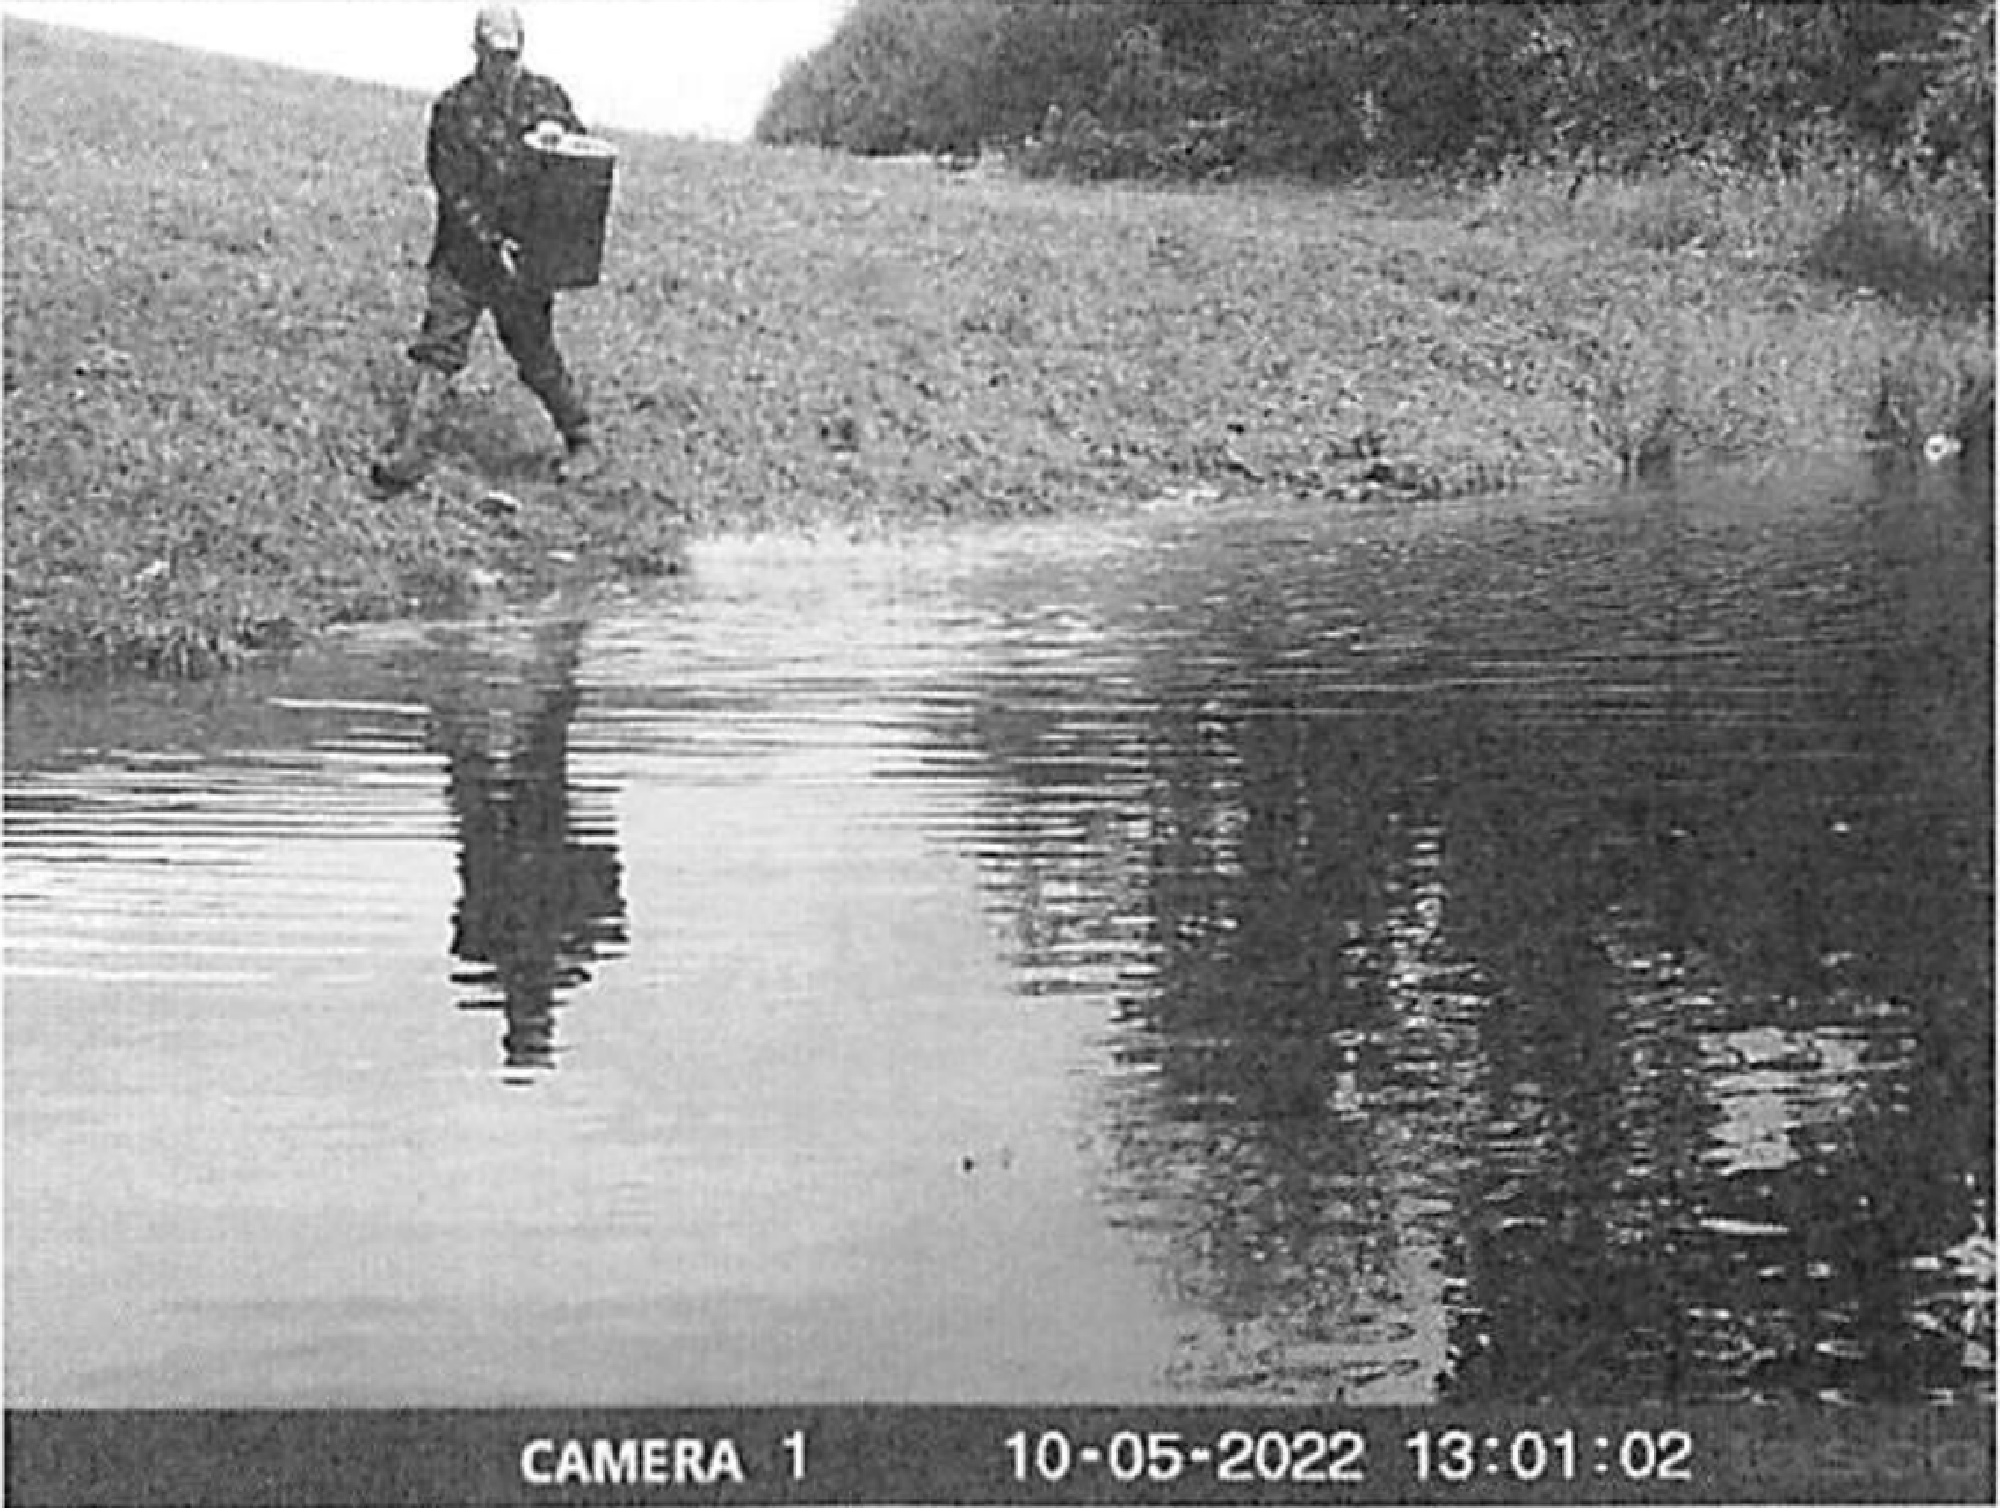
{"x": 212, "y": 268}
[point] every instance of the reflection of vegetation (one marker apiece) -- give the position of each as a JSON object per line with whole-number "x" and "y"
{"x": 538, "y": 900}
{"x": 1615, "y": 1030}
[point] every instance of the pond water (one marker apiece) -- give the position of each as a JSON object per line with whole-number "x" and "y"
{"x": 1521, "y": 949}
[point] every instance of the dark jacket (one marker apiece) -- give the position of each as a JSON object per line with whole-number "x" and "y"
{"x": 479, "y": 165}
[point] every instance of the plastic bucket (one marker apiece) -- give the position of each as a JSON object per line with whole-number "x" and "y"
{"x": 563, "y": 210}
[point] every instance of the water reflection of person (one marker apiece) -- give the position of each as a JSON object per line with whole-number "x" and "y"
{"x": 538, "y": 900}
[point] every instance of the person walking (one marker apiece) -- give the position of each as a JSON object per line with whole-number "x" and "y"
{"x": 478, "y": 155}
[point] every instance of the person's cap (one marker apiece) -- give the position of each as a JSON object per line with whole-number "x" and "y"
{"x": 498, "y": 28}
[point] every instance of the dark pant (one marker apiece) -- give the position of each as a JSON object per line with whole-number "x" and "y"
{"x": 526, "y": 321}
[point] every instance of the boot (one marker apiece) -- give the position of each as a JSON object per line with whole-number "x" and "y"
{"x": 559, "y": 396}
{"x": 408, "y": 456}
{"x": 585, "y": 459}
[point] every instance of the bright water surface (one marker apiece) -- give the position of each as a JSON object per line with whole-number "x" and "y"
{"x": 1521, "y": 949}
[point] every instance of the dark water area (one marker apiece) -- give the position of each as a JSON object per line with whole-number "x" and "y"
{"x": 1523, "y": 950}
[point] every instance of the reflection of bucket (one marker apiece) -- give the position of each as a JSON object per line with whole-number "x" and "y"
{"x": 564, "y": 206}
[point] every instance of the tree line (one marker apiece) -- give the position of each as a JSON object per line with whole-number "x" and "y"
{"x": 1212, "y": 88}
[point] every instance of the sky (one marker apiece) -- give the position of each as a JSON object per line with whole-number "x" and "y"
{"x": 687, "y": 67}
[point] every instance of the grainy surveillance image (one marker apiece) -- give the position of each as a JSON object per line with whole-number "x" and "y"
{"x": 895, "y": 752}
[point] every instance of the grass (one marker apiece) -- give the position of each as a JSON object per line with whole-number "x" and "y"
{"x": 204, "y": 322}
{"x": 1836, "y": 216}
{"x": 1796, "y": 297}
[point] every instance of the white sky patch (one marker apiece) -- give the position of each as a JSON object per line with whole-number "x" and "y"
{"x": 685, "y": 67}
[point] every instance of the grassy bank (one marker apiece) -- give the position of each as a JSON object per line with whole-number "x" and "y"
{"x": 205, "y": 317}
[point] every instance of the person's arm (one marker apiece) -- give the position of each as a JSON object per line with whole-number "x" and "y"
{"x": 553, "y": 105}
{"x": 455, "y": 170}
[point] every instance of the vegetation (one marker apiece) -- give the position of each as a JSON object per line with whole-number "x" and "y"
{"x": 1331, "y": 89}
{"x": 1869, "y": 124}
{"x": 204, "y": 324}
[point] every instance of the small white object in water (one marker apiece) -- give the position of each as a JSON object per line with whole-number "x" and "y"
{"x": 1940, "y": 446}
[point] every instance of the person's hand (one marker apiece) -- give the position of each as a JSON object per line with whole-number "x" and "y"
{"x": 509, "y": 253}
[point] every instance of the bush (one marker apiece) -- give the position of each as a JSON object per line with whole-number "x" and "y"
{"x": 1953, "y": 121}
{"x": 1933, "y": 379}
{"x": 1908, "y": 247}
{"x": 1081, "y": 147}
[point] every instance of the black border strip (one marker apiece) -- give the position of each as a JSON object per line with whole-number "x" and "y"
{"x": 1106, "y": 1456}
